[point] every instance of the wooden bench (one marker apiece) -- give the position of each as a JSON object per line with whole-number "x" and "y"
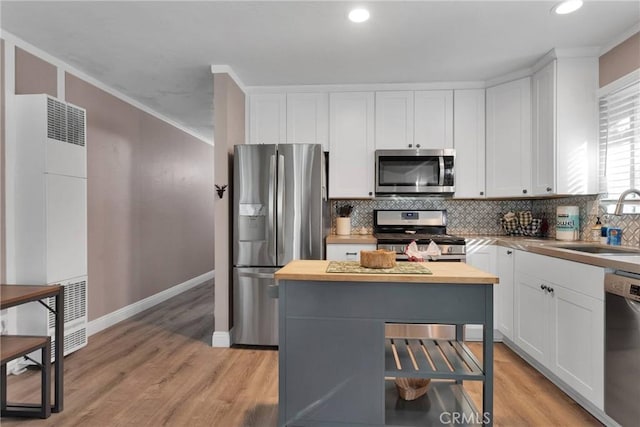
{"x": 12, "y": 347}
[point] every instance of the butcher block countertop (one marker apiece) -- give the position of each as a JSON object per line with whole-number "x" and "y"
{"x": 442, "y": 272}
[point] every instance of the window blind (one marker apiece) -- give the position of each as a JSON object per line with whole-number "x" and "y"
{"x": 620, "y": 141}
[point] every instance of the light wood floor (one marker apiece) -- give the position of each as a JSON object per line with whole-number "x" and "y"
{"x": 158, "y": 369}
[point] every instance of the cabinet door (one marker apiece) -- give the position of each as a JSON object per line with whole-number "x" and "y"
{"x": 531, "y": 316}
{"x": 483, "y": 257}
{"x": 308, "y": 118}
{"x": 577, "y": 338}
{"x": 394, "y": 120}
{"x": 351, "y": 149}
{"x": 505, "y": 266}
{"x": 509, "y": 139}
{"x": 347, "y": 252}
{"x": 469, "y": 143}
{"x": 267, "y": 118}
{"x": 543, "y": 130}
{"x": 433, "y": 122}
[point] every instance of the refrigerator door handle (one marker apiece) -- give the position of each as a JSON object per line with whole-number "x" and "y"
{"x": 270, "y": 219}
{"x": 280, "y": 208}
{"x": 268, "y": 276}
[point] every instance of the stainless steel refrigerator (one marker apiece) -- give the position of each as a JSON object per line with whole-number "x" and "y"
{"x": 280, "y": 213}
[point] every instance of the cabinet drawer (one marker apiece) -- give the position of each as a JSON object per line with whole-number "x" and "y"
{"x": 348, "y": 252}
{"x": 582, "y": 278}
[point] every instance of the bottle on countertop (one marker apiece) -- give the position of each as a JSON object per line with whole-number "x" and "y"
{"x": 596, "y": 230}
{"x": 604, "y": 233}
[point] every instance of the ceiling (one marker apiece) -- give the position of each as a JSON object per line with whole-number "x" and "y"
{"x": 160, "y": 53}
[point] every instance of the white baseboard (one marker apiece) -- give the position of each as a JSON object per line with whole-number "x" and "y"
{"x": 221, "y": 339}
{"x": 111, "y": 319}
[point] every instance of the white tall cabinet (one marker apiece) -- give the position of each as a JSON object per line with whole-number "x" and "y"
{"x": 564, "y": 134}
{"x": 351, "y": 145}
{"x": 508, "y": 128}
{"x": 51, "y": 213}
{"x": 469, "y": 142}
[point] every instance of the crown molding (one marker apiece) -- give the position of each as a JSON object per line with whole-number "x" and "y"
{"x": 619, "y": 39}
{"x": 63, "y": 67}
{"x": 226, "y": 69}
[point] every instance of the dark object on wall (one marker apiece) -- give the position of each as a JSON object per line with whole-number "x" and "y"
{"x": 220, "y": 190}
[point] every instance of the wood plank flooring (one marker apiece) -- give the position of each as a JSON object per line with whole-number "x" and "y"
{"x": 158, "y": 369}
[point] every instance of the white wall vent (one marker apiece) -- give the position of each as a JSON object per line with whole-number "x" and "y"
{"x": 75, "y": 125}
{"x": 56, "y": 120}
{"x": 50, "y": 206}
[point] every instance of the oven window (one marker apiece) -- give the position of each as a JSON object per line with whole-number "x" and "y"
{"x": 408, "y": 172}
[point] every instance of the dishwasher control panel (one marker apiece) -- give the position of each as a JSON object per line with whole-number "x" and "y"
{"x": 622, "y": 285}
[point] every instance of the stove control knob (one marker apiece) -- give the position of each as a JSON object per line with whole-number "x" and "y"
{"x": 449, "y": 249}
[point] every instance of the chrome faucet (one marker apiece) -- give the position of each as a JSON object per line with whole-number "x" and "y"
{"x": 622, "y": 202}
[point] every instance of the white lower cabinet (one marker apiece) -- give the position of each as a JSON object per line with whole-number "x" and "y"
{"x": 347, "y": 251}
{"x": 505, "y": 265}
{"x": 559, "y": 320}
{"x": 482, "y": 255}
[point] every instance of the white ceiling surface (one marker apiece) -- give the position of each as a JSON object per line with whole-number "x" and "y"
{"x": 160, "y": 53}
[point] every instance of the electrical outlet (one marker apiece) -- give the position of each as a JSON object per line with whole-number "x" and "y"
{"x": 3, "y": 327}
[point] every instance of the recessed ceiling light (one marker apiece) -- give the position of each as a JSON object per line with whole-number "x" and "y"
{"x": 359, "y": 15}
{"x": 567, "y": 6}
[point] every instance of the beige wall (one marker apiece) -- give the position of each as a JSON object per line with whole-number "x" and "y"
{"x": 150, "y": 193}
{"x": 621, "y": 60}
{"x": 34, "y": 75}
{"x": 150, "y": 201}
{"x": 228, "y": 110}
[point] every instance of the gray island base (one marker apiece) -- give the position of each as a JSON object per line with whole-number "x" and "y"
{"x": 336, "y": 367}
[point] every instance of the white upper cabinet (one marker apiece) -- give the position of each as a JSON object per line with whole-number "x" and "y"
{"x": 267, "y": 118}
{"x": 308, "y": 118}
{"x": 543, "y": 130}
{"x": 351, "y": 144}
{"x": 469, "y": 143}
{"x": 394, "y": 120}
{"x": 508, "y": 141}
{"x": 565, "y": 144}
{"x": 433, "y": 120}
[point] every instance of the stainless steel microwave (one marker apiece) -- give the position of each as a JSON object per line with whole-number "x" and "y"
{"x": 417, "y": 172}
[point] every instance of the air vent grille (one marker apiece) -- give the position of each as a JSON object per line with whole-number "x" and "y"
{"x": 75, "y": 303}
{"x": 71, "y": 342}
{"x": 56, "y": 120}
{"x": 75, "y": 126}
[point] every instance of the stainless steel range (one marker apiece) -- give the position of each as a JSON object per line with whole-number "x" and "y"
{"x": 395, "y": 229}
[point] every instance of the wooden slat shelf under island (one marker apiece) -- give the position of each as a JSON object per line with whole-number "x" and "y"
{"x": 336, "y": 366}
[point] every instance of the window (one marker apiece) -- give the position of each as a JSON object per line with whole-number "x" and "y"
{"x": 620, "y": 144}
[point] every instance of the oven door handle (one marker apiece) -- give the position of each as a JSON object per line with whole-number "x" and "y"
{"x": 441, "y": 163}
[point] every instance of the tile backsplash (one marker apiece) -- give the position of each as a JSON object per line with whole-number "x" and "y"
{"x": 482, "y": 217}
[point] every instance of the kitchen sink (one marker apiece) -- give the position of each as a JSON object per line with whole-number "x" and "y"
{"x": 600, "y": 250}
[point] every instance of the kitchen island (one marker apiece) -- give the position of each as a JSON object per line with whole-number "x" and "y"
{"x": 334, "y": 356}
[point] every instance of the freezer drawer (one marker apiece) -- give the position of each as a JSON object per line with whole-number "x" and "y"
{"x": 255, "y": 306}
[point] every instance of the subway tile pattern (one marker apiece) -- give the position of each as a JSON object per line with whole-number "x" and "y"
{"x": 482, "y": 217}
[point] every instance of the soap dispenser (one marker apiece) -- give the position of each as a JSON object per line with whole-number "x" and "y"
{"x": 596, "y": 230}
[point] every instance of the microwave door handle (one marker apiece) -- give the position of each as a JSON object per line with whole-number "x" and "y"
{"x": 441, "y": 178}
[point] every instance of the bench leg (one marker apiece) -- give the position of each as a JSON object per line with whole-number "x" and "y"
{"x": 3, "y": 388}
{"x": 46, "y": 380}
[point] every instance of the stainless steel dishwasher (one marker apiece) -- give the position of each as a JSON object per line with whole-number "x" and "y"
{"x": 622, "y": 347}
